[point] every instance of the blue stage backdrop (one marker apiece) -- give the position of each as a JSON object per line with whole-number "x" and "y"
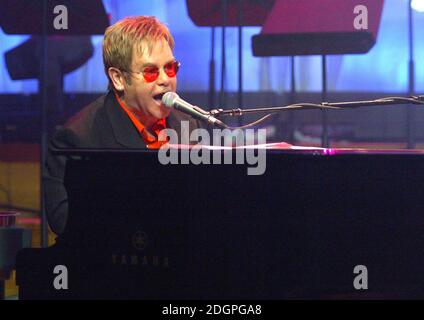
{"x": 383, "y": 69}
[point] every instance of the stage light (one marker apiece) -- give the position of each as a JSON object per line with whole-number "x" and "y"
{"x": 418, "y": 5}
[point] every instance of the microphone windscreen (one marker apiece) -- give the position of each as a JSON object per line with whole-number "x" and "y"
{"x": 169, "y": 98}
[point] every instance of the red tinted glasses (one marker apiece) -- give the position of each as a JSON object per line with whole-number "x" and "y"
{"x": 151, "y": 73}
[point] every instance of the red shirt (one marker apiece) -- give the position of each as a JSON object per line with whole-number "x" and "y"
{"x": 149, "y": 139}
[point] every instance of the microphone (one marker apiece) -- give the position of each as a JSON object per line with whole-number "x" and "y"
{"x": 172, "y": 100}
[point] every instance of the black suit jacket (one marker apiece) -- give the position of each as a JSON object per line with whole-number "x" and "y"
{"x": 101, "y": 124}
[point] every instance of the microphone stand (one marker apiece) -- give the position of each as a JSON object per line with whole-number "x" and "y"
{"x": 324, "y": 105}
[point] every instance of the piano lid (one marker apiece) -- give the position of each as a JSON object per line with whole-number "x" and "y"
{"x": 276, "y": 147}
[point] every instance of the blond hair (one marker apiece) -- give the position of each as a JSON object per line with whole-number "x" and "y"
{"x": 121, "y": 38}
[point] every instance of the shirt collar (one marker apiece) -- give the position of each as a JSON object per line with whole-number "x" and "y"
{"x": 150, "y": 139}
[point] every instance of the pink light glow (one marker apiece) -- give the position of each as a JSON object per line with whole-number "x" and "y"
{"x": 330, "y": 151}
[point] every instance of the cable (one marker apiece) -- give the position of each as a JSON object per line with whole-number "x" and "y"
{"x": 254, "y": 122}
{"x": 307, "y": 106}
{"x": 413, "y": 100}
{"x": 272, "y": 113}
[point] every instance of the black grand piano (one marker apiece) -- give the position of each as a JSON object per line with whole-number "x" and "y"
{"x": 138, "y": 229}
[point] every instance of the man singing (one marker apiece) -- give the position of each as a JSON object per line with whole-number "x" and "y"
{"x": 141, "y": 67}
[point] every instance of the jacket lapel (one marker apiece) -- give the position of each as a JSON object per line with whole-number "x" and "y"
{"x": 124, "y": 130}
{"x": 126, "y": 133}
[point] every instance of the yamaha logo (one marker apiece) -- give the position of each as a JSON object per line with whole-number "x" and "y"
{"x": 139, "y": 240}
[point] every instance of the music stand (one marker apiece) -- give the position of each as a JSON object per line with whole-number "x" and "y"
{"x": 26, "y": 17}
{"x": 320, "y": 32}
{"x": 36, "y": 18}
{"x": 225, "y": 13}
